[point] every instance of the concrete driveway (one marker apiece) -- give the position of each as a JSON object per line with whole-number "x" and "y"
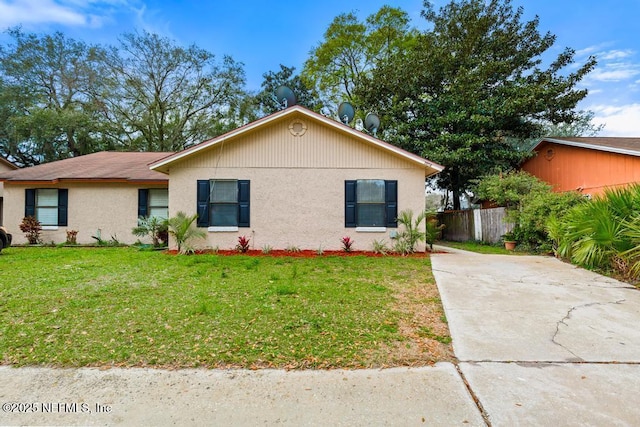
{"x": 541, "y": 342}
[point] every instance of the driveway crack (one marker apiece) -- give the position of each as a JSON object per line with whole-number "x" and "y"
{"x": 568, "y": 316}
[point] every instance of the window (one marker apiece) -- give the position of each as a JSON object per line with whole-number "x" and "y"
{"x": 223, "y": 203}
{"x": 47, "y": 205}
{"x": 371, "y": 203}
{"x": 153, "y": 202}
{"x": 223, "y": 211}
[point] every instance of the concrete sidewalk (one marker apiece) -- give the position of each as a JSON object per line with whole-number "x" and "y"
{"x": 434, "y": 396}
{"x": 542, "y": 342}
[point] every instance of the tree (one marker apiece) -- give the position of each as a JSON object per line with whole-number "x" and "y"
{"x": 165, "y": 97}
{"x": 265, "y": 100}
{"x": 48, "y": 108}
{"x": 351, "y": 50}
{"x": 471, "y": 85}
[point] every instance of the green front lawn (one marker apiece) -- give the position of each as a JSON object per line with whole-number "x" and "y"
{"x": 125, "y": 307}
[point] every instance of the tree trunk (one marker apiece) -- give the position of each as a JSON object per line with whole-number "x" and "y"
{"x": 456, "y": 199}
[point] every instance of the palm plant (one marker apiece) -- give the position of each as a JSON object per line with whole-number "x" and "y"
{"x": 632, "y": 255}
{"x": 412, "y": 234}
{"x": 154, "y": 227}
{"x": 181, "y": 228}
{"x": 601, "y": 233}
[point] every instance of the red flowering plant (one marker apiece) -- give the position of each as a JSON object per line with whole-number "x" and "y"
{"x": 347, "y": 242}
{"x": 243, "y": 244}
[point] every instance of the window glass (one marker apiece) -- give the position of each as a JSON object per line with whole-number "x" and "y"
{"x": 47, "y": 206}
{"x": 370, "y": 191}
{"x": 223, "y": 191}
{"x": 224, "y": 215}
{"x": 159, "y": 203}
{"x": 371, "y": 215}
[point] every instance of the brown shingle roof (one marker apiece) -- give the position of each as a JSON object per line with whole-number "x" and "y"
{"x": 7, "y": 163}
{"x": 630, "y": 146}
{"x": 103, "y": 166}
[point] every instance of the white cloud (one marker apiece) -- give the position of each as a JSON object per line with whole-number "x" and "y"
{"x": 620, "y": 120}
{"x": 38, "y": 11}
{"x": 76, "y": 13}
{"x": 615, "y": 54}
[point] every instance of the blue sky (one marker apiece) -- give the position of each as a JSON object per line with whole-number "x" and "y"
{"x": 263, "y": 34}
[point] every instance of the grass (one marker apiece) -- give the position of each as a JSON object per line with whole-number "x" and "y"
{"x": 73, "y": 307}
{"x": 480, "y": 247}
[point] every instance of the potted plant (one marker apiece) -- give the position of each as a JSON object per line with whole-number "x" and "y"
{"x": 509, "y": 239}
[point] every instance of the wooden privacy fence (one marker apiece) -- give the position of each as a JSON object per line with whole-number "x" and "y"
{"x": 486, "y": 225}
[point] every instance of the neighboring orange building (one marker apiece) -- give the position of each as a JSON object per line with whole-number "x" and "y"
{"x": 586, "y": 164}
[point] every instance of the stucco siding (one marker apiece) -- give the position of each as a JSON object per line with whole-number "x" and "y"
{"x": 107, "y": 209}
{"x": 590, "y": 171}
{"x": 304, "y": 208}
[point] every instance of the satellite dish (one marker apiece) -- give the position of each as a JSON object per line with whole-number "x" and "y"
{"x": 372, "y": 123}
{"x": 346, "y": 113}
{"x": 285, "y": 97}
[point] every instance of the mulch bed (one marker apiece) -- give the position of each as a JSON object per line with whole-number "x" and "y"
{"x": 301, "y": 254}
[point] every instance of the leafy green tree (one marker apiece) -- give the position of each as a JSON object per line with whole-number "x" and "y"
{"x": 48, "y": 107}
{"x": 265, "y": 100}
{"x": 471, "y": 85}
{"x": 164, "y": 97}
{"x": 351, "y": 50}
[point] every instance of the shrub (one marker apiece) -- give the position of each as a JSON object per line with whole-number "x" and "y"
{"x": 508, "y": 189}
{"x": 154, "y": 227}
{"x": 530, "y": 202}
{"x": 347, "y": 242}
{"x": 31, "y": 228}
{"x": 181, "y": 228}
{"x": 380, "y": 247}
{"x": 72, "y": 237}
{"x": 433, "y": 229}
{"x": 601, "y": 233}
{"x": 243, "y": 244}
{"x": 535, "y": 209}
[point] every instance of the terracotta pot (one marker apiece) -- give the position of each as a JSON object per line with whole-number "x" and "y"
{"x": 509, "y": 245}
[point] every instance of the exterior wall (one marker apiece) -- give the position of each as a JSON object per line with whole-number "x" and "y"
{"x": 589, "y": 171}
{"x": 3, "y": 168}
{"x": 297, "y": 185}
{"x": 108, "y": 209}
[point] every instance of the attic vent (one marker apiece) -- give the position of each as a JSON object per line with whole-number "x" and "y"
{"x": 297, "y": 128}
{"x": 550, "y": 154}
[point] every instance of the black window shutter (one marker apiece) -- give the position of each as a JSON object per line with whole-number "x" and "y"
{"x": 350, "y": 204}
{"x": 63, "y": 206}
{"x": 30, "y": 202}
{"x": 203, "y": 203}
{"x": 143, "y": 202}
{"x": 244, "y": 218}
{"x": 391, "y": 203}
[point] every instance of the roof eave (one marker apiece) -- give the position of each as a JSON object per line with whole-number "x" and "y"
{"x": 587, "y": 146}
{"x": 85, "y": 180}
